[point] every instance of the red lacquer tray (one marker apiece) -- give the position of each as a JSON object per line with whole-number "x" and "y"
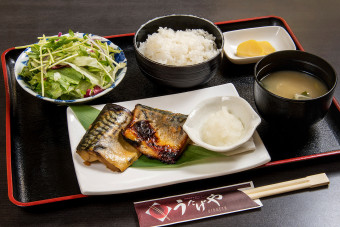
{"x": 39, "y": 163}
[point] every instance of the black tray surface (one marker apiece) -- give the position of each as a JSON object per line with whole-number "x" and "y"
{"x": 42, "y": 166}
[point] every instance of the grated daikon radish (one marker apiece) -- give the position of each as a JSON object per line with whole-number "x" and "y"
{"x": 221, "y": 128}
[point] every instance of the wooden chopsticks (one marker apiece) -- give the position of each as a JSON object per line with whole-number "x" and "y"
{"x": 288, "y": 186}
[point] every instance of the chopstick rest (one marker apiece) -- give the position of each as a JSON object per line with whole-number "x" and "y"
{"x": 288, "y": 186}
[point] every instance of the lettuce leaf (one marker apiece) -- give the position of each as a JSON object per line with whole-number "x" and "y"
{"x": 66, "y": 83}
{"x": 92, "y": 77}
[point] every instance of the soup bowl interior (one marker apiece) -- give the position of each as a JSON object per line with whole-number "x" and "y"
{"x": 178, "y": 76}
{"x": 290, "y": 112}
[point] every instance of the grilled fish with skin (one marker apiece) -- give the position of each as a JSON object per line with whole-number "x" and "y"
{"x": 103, "y": 140}
{"x": 157, "y": 133}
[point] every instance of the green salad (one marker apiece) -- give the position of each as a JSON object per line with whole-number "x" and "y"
{"x": 70, "y": 67}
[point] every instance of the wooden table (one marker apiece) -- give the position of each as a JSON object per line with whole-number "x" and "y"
{"x": 316, "y": 25}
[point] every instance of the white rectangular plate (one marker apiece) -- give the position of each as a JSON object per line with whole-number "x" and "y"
{"x": 98, "y": 180}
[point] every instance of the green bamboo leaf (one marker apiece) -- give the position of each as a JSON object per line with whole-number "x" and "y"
{"x": 191, "y": 154}
{"x": 87, "y": 114}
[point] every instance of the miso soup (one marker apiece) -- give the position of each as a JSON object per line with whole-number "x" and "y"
{"x": 294, "y": 85}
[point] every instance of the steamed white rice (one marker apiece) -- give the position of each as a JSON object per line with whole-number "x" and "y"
{"x": 179, "y": 48}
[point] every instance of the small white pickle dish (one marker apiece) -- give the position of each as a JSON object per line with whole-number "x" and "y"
{"x": 277, "y": 36}
{"x": 235, "y": 105}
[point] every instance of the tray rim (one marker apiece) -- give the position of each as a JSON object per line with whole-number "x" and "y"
{"x": 76, "y": 196}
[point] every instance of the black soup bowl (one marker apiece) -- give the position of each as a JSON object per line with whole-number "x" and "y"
{"x": 286, "y": 112}
{"x": 179, "y": 76}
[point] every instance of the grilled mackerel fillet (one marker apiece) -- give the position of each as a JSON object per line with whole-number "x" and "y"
{"x": 157, "y": 133}
{"x": 104, "y": 142}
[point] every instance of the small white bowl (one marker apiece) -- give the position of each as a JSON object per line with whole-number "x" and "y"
{"x": 277, "y": 36}
{"x": 237, "y": 106}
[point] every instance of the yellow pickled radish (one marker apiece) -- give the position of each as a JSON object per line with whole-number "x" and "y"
{"x": 250, "y": 48}
{"x": 267, "y": 47}
{"x": 253, "y": 48}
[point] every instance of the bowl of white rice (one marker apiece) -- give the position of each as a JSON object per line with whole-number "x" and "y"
{"x": 179, "y": 51}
